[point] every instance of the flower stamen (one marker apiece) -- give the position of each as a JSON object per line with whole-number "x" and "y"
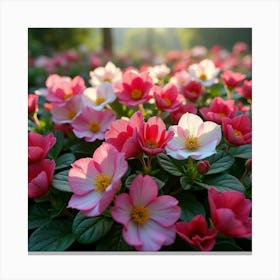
{"x": 192, "y": 143}
{"x": 101, "y": 182}
{"x": 94, "y": 126}
{"x": 136, "y": 94}
{"x": 140, "y": 215}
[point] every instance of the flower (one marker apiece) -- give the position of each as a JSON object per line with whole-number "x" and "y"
{"x": 135, "y": 88}
{"x": 91, "y": 124}
{"x": 192, "y": 90}
{"x": 39, "y": 146}
{"x": 203, "y": 166}
{"x": 110, "y": 73}
{"x": 99, "y": 97}
{"x": 40, "y": 176}
{"x": 184, "y": 108}
{"x": 246, "y": 89}
{"x": 218, "y": 109}
{"x": 122, "y": 134}
{"x": 237, "y": 131}
{"x": 197, "y": 234}
{"x": 232, "y": 79}
{"x": 153, "y": 136}
{"x": 230, "y": 213}
{"x": 148, "y": 220}
{"x": 167, "y": 98}
{"x": 240, "y": 47}
{"x": 95, "y": 181}
{"x": 158, "y": 72}
{"x": 180, "y": 79}
{"x": 193, "y": 138}
{"x": 204, "y": 72}
{"x": 60, "y": 89}
{"x": 32, "y": 104}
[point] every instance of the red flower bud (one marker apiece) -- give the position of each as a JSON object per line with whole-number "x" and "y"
{"x": 32, "y": 104}
{"x": 248, "y": 163}
{"x": 203, "y": 166}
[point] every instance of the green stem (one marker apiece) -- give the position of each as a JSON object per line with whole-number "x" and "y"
{"x": 242, "y": 180}
{"x": 35, "y": 118}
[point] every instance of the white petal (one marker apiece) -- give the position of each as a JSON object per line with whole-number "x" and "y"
{"x": 190, "y": 122}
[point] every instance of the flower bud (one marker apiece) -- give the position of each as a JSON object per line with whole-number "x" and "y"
{"x": 248, "y": 163}
{"x": 32, "y": 104}
{"x": 203, "y": 166}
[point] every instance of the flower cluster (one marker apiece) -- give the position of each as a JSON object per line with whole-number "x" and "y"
{"x": 147, "y": 159}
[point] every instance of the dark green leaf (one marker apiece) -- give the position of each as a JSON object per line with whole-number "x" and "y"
{"x": 226, "y": 246}
{"x": 244, "y": 151}
{"x": 220, "y": 162}
{"x": 223, "y": 182}
{"x": 185, "y": 183}
{"x": 54, "y": 236}
{"x": 60, "y": 181}
{"x": 88, "y": 230}
{"x": 190, "y": 207}
{"x": 38, "y": 214}
{"x": 85, "y": 149}
{"x": 57, "y": 148}
{"x": 168, "y": 165}
{"x": 64, "y": 161}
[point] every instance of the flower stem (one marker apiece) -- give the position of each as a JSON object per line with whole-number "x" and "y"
{"x": 141, "y": 109}
{"x": 242, "y": 180}
{"x": 36, "y": 120}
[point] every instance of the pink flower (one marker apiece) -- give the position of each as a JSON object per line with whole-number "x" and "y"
{"x": 192, "y": 90}
{"x": 240, "y": 47}
{"x": 91, "y": 124}
{"x": 167, "y": 98}
{"x": 153, "y": 136}
{"x": 32, "y": 104}
{"x": 230, "y": 213}
{"x": 197, "y": 234}
{"x": 134, "y": 88}
{"x": 180, "y": 79}
{"x": 184, "y": 108}
{"x": 232, "y": 79}
{"x": 95, "y": 181}
{"x": 60, "y": 89}
{"x": 39, "y": 146}
{"x": 148, "y": 220}
{"x": 246, "y": 89}
{"x": 237, "y": 131}
{"x": 193, "y": 138}
{"x": 219, "y": 109}
{"x": 122, "y": 134}
{"x": 40, "y": 176}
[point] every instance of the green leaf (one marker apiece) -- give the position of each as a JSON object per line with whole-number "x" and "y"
{"x": 223, "y": 182}
{"x": 64, "y": 161}
{"x": 85, "y": 149}
{"x": 54, "y": 236}
{"x": 226, "y": 246}
{"x": 220, "y": 162}
{"x": 244, "y": 151}
{"x": 60, "y": 181}
{"x": 113, "y": 241}
{"x": 168, "y": 164}
{"x": 190, "y": 207}
{"x": 88, "y": 230}
{"x": 185, "y": 183}
{"x": 38, "y": 215}
{"x": 57, "y": 148}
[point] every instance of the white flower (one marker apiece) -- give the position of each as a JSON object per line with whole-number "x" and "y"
{"x": 110, "y": 73}
{"x": 159, "y": 72}
{"x": 97, "y": 98}
{"x": 193, "y": 138}
{"x": 204, "y": 72}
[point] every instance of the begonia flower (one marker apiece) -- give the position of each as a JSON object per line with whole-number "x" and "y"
{"x": 40, "y": 176}
{"x": 232, "y": 79}
{"x": 237, "y": 131}
{"x": 192, "y": 90}
{"x": 134, "y": 89}
{"x": 39, "y": 146}
{"x": 122, "y": 134}
{"x": 91, "y": 124}
{"x": 95, "y": 181}
{"x": 230, "y": 212}
{"x": 32, "y": 104}
{"x": 197, "y": 234}
{"x": 193, "y": 138}
{"x": 219, "y": 109}
{"x": 246, "y": 89}
{"x": 148, "y": 220}
{"x": 184, "y": 108}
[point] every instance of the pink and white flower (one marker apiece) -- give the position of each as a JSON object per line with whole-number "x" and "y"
{"x": 95, "y": 181}
{"x": 148, "y": 220}
{"x": 180, "y": 79}
{"x": 159, "y": 72}
{"x": 91, "y": 124}
{"x": 193, "y": 138}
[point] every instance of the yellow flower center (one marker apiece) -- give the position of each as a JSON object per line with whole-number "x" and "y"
{"x": 151, "y": 144}
{"x": 192, "y": 143}
{"x": 68, "y": 95}
{"x": 136, "y": 94}
{"x": 107, "y": 79}
{"x": 93, "y": 126}
{"x": 71, "y": 115}
{"x": 101, "y": 182}
{"x": 167, "y": 101}
{"x": 140, "y": 215}
{"x": 222, "y": 115}
{"x": 203, "y": 77}
{"x": 238, "y": 133}
{"x": 99, "y": 100}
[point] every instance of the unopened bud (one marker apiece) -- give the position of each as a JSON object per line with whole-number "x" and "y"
{"x": 203, "y": 166}
{"x": 32, "y": 103}
{"x": 248, "y": 163}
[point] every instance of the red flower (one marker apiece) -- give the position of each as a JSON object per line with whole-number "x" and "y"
{"x": 32, "y": 104}
{"x": 189, "y": 107}
{"x": 197, "y": 234}
{"x": 40, "y": 176}
{"x": 232, "y": 79}
{"x": 230, "y": 213}
{"x": 219, "y": 109}
{"x": 237, "y": 131}
{"x": 39, "y": 146}
{"x": 246, "y": 89}
{"x": 192, "y": 90}
{"x": 203, "y": 166}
